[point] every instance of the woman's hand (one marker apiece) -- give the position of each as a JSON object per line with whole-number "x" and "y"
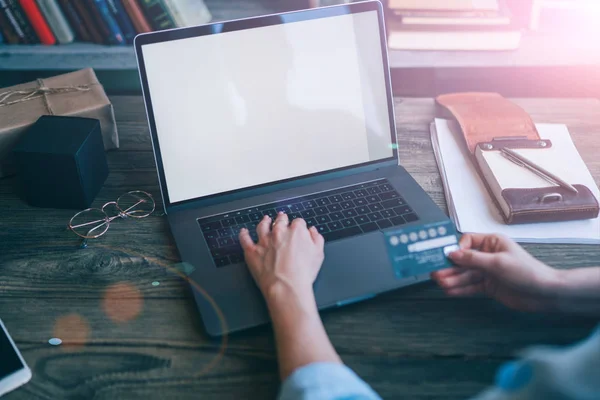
{"x": 286, "y": 258}
{"x": 501, "y": 269}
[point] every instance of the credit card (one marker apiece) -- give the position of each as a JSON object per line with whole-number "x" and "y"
{"x": 420, "y": 249}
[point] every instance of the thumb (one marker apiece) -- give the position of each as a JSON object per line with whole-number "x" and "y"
{"x": 476, "y": 259}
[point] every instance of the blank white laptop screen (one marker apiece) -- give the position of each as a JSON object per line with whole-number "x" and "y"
{"x": 244, "y": 108}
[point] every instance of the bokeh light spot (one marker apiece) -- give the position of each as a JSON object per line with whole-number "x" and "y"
{"x": 55, "y": 341}
{"x": 155, "y": 283}
{"x": 73, "y": 330}
{"x": 122, "y": 302}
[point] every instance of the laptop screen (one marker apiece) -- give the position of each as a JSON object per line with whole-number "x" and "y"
{"x": 248, "y": 107}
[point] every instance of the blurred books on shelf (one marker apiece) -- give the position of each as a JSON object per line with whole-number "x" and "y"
{"x": 451, "y": 25}
{"x": 114, "y": 22}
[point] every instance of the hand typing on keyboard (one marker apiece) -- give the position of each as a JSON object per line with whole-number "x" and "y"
{"x": 287, "y": 257}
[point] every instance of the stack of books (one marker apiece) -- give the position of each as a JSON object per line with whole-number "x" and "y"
{"x": 451, "y": 25}
{"x": 114, "y": 22}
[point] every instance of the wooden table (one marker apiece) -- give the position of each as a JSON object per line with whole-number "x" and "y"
{"x": 130, "y": 328}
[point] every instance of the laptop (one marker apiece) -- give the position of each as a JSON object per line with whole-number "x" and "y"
{"x": 290, "y": 112}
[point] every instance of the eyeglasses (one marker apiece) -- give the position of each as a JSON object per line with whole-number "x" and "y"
{"x": 94, "y": 222}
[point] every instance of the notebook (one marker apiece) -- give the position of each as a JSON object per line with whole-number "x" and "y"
{"x": 471, "y": 207}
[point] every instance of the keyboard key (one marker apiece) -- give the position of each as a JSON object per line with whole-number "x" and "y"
{"x": 323, "y": 201}
{"x": 254, "y": 236}
{"x": 321, "y": 210}
{"x": 297, "y": 207}
{"x": 373, "y": 190}
{"x": 335, "y": 225}
{"x": 389, "y": 195}
{"x": 348, "y": 223}
{"x": 361, "y": 193}
{"x": 255, "y": 216}
{"x": 410, "y": 217}
{"x": 251, "y": 226}
{"x": 348, "y": 196}
{"x": 361, "y": 219}
{"x": 341, "y": 234}
{"x": 375, "y": 207}
{"x": 270, "y": 212}
{"x": 373, "y": 198}
{"x": 236, "y": 230}
{"x": 293, "y": 216}
{"x": 221, "y": 261}
{"x": 336, "y": 198}
{"x": 362, "y": 210}
{"x": 349, "y": 213}
{"x": 308, "y": 214}
{"x": 309, "y": 204}
{"x": 225, "y": 232}
{"x": 403, "y": 210}
{"x": 228, "y": 222}
{"x": 212, "y": 243}
{"x": 347, "y": 204}
{"x": 322, "y": 229}
{"x": 211, "y": 235}
{"x": 236, "y": 258}
{"x": 283, "y": 209}
{"x": 398, "y": 220}
{"x": 225, "y": 251}
{"x": 211, "y": 226}
{"x": 392, "y": 203}
{"x": 388, "y": 213}
{"x": 336, "y": 216}
{"x": 334, "y": 207}
{"x": 360, "y": 202}
{"x": 384, "y": 223}
{"x": 311, "y": 221}
{"x": 242, "y": 219}
{"x": 322, "y": 219}
{"x": 386, "y": 187}
{"x": 370, "y": 227}
{"x": 375, "y": 216}
{"x": 226, "y": 241}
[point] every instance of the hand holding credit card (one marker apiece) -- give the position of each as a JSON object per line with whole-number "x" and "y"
{"x": 420, "y": 249}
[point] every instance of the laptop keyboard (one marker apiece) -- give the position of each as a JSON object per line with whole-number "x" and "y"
{"x": 337, "y": 214}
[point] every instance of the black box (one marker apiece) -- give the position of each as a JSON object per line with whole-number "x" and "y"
{"x": 60, "y": 162}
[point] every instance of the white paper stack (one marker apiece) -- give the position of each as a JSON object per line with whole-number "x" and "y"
{"x": 473, "y": 210}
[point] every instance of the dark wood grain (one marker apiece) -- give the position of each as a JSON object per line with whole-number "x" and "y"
{"x": 413, "y": 343}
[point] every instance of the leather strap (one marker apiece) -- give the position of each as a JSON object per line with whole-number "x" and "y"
{"x": 484, "y": 117}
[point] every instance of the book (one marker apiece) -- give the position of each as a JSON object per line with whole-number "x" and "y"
{"x": 471, "y": 38}
{"x": 7, "y": 29}
{"x": 136, "y": 14}
{"x": 444, "y": 4}
{"x": 188, "y": 12}
{"x": 56, "y": 20}
{"x": 38, "y": 22}
{"x": 157, "y": 14}
{"x": 465, "y": 18}
{"x": 120, "y": 15}
{"x": 12, "y": 21}
{"x": 1, "y": 37}
{"x": 105, "y": 32}
{"x": 76, "y": 22}
{"x": 89, "y": 21}
{"x": 115, "y": 35}
{"x": 471, "y": 207}
{"x": 24, "y": 24}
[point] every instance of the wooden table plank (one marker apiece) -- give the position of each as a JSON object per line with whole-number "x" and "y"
{"x": 423, "y": 346}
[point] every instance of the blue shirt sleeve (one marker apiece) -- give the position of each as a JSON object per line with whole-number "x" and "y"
{"x": 325, "y": 381}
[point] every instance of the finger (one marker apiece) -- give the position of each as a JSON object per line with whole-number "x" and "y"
{"x": 444, "y": 273}
{"x": 475, "y": 259}
{"x": 466, "y": 290}
{"x": 281, "y": 223}
{"x": 263, "y": 229}
{"x": 299, "y": 223}
{"x": 472, "y": 240}
{"x": 467, "y": 278}
{"x": 317, "y": 238}
{"x": 246, "y": 241}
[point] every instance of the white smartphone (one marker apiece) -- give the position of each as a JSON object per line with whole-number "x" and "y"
{"x": 14, "y": 372}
